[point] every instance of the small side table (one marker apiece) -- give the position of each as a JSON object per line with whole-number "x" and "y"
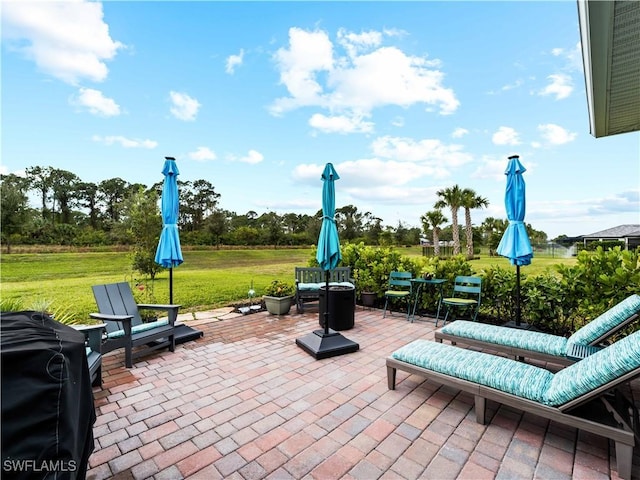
{"x": 437, "y": 282}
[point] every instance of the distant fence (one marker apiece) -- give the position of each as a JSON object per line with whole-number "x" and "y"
{"x": 553, "y": 250}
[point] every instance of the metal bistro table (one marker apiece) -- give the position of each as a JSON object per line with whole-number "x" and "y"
{"x": 437, "y": 282}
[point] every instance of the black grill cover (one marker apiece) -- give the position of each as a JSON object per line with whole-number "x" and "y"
{"x": 47, "y": 399}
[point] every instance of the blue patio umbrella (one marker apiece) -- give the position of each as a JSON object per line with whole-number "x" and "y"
{"x": 169, "y": 254}
{"x": 515, "y": 244}
{"x": 328, "y": 255}
{"x": 325, "y": 343}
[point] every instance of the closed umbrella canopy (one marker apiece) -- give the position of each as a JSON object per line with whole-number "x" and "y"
{"x": 169, "y": 254}
{"x": 515, "y": 244}
{"x": 328, "y": 254}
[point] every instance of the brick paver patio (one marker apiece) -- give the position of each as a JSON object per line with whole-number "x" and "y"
{"x": 244, "y": 402}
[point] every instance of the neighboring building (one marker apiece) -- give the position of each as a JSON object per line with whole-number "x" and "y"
{"x": 629, "y": 234}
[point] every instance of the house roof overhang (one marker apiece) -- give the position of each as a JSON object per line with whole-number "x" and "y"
{"x": 610, "y": 38}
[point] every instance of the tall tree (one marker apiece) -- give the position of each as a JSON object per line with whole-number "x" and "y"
{"x": 40, "y": 180}
{"x": 143, "y": 224}
{"x": 217, "y": 224}
{"x": 198, "y": 199}
{"x": 64, "y": 186}
{"x": 493, "y": 229}
{"x": 112, "y": 193}
{"x": 432, "y": 220}
{"x": 349, "y": 222}
{"x": 470, "y": 201}
{"x": 87, "y": 193}
{"x": 452, "y": 197}
{"x": 14, "y": 209}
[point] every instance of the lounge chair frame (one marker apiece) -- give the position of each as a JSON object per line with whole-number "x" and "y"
{"x": 93, "y": 340}
{"x": 617, "y": 421}
{"x": 522, "y": 353}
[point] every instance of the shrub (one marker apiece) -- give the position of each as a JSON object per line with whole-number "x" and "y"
{"x": 278, "y": 288}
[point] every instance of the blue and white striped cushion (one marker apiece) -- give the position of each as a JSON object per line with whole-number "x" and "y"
{"x": 594, "y": 371}
{"x": 607, "y": 321}
{"x": 508, "y": 337}
{"x": 139, "y": 328}
{"x": 489, "y": 370}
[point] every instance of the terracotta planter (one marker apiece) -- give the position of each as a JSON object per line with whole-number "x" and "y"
{"x": 277, "y": 305}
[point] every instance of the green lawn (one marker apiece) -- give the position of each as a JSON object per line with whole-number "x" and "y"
{"x": 207, "y": 278}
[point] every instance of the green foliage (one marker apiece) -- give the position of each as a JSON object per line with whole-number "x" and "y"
{"x": 563, "y": 301}
{"x": 143, "y": 226}
{"x": 604, "y": 244}
{"x": 498, "y": 294}
{"x": 61, "y": 313}
{"x": 278, "y": 288}
{"x": 599, "y": 280}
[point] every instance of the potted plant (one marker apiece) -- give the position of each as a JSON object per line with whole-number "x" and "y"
{"x": 278, "y": 296}
{"x": 367, "y": 287}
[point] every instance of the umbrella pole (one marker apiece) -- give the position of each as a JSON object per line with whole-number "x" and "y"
{"x": 518, "y": 310}
{"x": 170, "y": 285}
{"x": 326, "y": 303}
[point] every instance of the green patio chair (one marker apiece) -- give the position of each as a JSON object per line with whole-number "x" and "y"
{"x": 400, "y": 288}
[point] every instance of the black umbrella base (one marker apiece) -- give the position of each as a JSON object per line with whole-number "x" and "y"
{"x": 325, "y": 345}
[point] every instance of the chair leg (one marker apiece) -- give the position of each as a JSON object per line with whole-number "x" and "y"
{"x": 446, "y": 315}
{"x": 384, "y": 312}
{"x": 624, "y": 460}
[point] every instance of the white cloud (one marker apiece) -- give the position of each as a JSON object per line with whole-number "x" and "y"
{"x": 397, "y": 121}
{"x": 316, "y": 76}
{"x": 184, "y": 107}
{"x": 233, "y": 61}
{"x": 561, "y": 86}
{"x": 511, "y": 86}
{"x": 203, "y": 154}
{"x": 96, "y": 102}
{"x": 125, "y": 142}
{"x": 573, "y": 57}
{"x": 505, "y": 136}
{"x": 68, "y": 40}
{"x": 354, "y": 43}
{"x": 555, "y": 134}
{"x": 340, "y": 124}
{"x": 427, "y": 151}
{"x": 252, "y": 157}
{"x": 459, "y": 132}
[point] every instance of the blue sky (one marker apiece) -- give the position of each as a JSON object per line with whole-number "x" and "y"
{"x": 404, "y": 98}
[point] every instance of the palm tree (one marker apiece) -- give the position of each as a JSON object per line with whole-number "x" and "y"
{"x": 452, "y": 197}
{"x": 471, "y": 200}
{"x": 433, "y": 219}
{"x": 493, "y": 229}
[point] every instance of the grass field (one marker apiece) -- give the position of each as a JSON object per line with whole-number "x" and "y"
{"x": 207, "y": 278}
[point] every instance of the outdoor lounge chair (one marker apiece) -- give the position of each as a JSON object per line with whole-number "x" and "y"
{"x": 543, "y": 346}
{"x": 125, "y": 329}
{"x": 582, "y": 396}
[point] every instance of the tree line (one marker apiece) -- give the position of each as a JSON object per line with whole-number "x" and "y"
{"x": 71, "y": 211}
